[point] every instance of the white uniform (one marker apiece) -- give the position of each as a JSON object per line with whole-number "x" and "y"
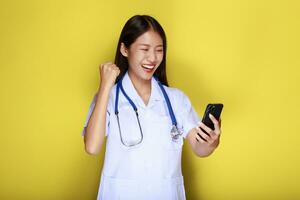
{"x": 152, "y": 169}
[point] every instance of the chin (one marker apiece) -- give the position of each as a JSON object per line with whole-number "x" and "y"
{"x": 143, "y": 75}
{"x": 146, "y": 77}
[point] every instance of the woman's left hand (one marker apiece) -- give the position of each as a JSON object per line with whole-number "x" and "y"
{"x": 207, "y": 135}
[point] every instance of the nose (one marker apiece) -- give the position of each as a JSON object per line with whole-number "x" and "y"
{"x": 152, "y": 56}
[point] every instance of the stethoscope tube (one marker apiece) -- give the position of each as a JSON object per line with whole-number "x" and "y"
{"x": 169, "y": 105}
{"x": 119, "y": 85}
{"x": 175, "y": 133}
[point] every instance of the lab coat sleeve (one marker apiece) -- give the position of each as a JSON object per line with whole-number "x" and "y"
{"x": 90, "y": 111}
{"x": 188, "y": 116}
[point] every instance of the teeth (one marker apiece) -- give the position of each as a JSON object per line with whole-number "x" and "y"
{"x": 148, "y": 66}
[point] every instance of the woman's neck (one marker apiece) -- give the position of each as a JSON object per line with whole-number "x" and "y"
{"x": 143, "y": 87}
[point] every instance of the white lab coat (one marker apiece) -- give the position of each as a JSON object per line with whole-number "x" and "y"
{"x": 152, "y": 169}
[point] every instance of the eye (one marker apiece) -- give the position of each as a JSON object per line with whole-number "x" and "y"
{"x": 144, "y": 49}
{"x": 159, "y": 50}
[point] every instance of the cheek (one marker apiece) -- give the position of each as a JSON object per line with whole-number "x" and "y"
{"x": 160, "y": 57}
{"x": 133, "y": 60}
{"x": 137, "y": 57}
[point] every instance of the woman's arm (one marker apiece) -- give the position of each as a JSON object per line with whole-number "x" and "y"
{"x": 204, "y": 144}
{"x": 95, "y": 130}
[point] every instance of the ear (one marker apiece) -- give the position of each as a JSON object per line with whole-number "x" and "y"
{"x": 124, "y": 50}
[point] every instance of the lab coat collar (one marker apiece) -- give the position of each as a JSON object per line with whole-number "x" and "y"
{"x": 156, "y": 94}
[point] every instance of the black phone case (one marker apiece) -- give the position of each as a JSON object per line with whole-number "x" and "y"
{"x": 215, "y": 109}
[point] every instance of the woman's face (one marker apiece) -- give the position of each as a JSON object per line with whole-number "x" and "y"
{"x": 144, "y": 55}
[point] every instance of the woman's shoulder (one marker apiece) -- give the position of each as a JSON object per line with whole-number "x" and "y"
{"x": 176, "y": 93}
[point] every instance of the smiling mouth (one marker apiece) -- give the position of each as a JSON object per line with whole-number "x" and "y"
{"x": 148, "y": 67}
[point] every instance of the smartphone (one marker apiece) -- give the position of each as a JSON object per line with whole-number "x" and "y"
{"x": 215, "y": 109}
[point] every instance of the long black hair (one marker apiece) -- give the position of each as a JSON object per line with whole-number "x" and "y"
{"x": 134, "y": 27}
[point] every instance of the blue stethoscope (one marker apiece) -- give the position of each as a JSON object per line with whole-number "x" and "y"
{"x": 175, "y": 132}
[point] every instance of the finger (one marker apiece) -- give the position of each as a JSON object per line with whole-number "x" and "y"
{"x": 216, "y": 124}
{"x": 106, "y": 64}
{"x": 212, "y": 117}
{"x": 202, "y": 134}
{"x": 199, "y": 139}
{"x": 115, "y": 67}
{"x": 205, "y": 128}
{"x": 208, "y": 131}
{"x": 205, "y": 138}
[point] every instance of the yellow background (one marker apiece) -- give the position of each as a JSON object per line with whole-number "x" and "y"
{"x": 244, "y": 54}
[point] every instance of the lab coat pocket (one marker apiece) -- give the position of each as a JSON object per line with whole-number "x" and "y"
{"x": 128, "y": 193}
{"x": 119, "y": 189}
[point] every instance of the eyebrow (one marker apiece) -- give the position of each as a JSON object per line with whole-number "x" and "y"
{"x": 160, "y": 45}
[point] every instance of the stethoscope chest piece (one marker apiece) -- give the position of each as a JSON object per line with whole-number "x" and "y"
{"x": 175, "y": 133}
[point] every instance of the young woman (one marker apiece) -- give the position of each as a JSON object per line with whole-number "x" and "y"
{"x": 143, "y": 120}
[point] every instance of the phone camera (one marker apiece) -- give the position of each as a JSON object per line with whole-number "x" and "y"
{"x": 213, "y": 109}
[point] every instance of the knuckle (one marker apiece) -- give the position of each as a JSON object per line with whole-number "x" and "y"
{"x": 105, "y": 66}
{"x": 110, "y": 67}
{"x": 198, "y": 139}
{"x": 206, "y": 137}
{"x": 214, "y": 137}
